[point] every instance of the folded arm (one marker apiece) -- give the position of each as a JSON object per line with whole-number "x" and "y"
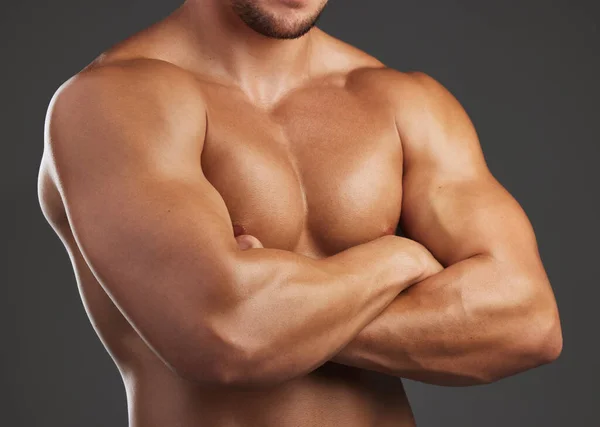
{"x": 490, "y": 312}
{"x": 124, "y": 144}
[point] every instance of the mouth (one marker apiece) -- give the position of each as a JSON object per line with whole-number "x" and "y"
{"x": 295, "y": 4}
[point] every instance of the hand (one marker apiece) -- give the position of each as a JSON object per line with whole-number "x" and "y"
{"x": 431, "y": 265}
{"x": 428, "y": 265}
{"x": 247, "y": 241}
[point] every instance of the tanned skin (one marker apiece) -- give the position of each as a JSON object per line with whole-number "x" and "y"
{"x": 228, "y": 194}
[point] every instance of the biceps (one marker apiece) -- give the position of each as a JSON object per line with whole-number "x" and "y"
{"x": 148, "y": 231}
{"x": 159, "y": 244}
{"x": 459, "y": 219}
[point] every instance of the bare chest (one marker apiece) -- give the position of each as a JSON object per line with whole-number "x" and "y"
{"x": 320, "y": 173}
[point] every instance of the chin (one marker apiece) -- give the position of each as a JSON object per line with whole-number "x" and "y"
{"x": 283, "y": 19}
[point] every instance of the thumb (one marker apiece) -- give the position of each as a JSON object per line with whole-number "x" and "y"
{"x": 247, "y": 241}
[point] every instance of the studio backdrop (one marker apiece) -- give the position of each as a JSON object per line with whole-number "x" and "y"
{"x": 527, "y": 72}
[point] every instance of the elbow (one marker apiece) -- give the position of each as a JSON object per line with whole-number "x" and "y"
{"x": 231, "y": 368}
{"x": 238, "y": 369}
{"x": 537, "y": 342}
{"x": 228, "y": 362}
{"x": 546, "y": 343}
{"x": 542, "y": 340}
{"x": 232, "y": 350}
{"x": 248, "y": 368}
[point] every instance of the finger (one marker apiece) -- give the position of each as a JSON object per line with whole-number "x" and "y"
{"x": 247, "y": 241}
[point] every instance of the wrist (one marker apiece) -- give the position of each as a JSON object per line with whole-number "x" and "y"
{"x": 387, "y": 262}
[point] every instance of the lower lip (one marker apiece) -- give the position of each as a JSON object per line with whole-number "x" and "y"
{"x": 294, "y": 3}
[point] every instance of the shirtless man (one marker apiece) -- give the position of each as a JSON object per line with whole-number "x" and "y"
{"x": 228, "y": 183}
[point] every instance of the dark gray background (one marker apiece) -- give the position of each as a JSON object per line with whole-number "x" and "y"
{"x": 526, "y": 71}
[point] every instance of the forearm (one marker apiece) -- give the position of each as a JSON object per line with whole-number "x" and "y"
{"x": 468, "y": 324}
{"x": 296, "y": 312}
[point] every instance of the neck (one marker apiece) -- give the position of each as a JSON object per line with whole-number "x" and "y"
{"x": 261, "y": 66}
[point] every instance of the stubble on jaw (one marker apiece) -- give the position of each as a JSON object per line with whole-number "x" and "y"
{"x": 269, "y": 25}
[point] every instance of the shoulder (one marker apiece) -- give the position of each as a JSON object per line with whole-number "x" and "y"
{"x": 137, "y": 96}
{"x": 141, "y": 83}
{"x": 401, "y": 88}
{"x": 407, "y": 89}
{"x": 420, "y": 102}
{"x": 417, "y": 90}
{"x": 423, "y": 107}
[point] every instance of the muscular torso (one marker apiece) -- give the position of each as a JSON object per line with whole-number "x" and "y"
{"x": 319, "y": 172}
